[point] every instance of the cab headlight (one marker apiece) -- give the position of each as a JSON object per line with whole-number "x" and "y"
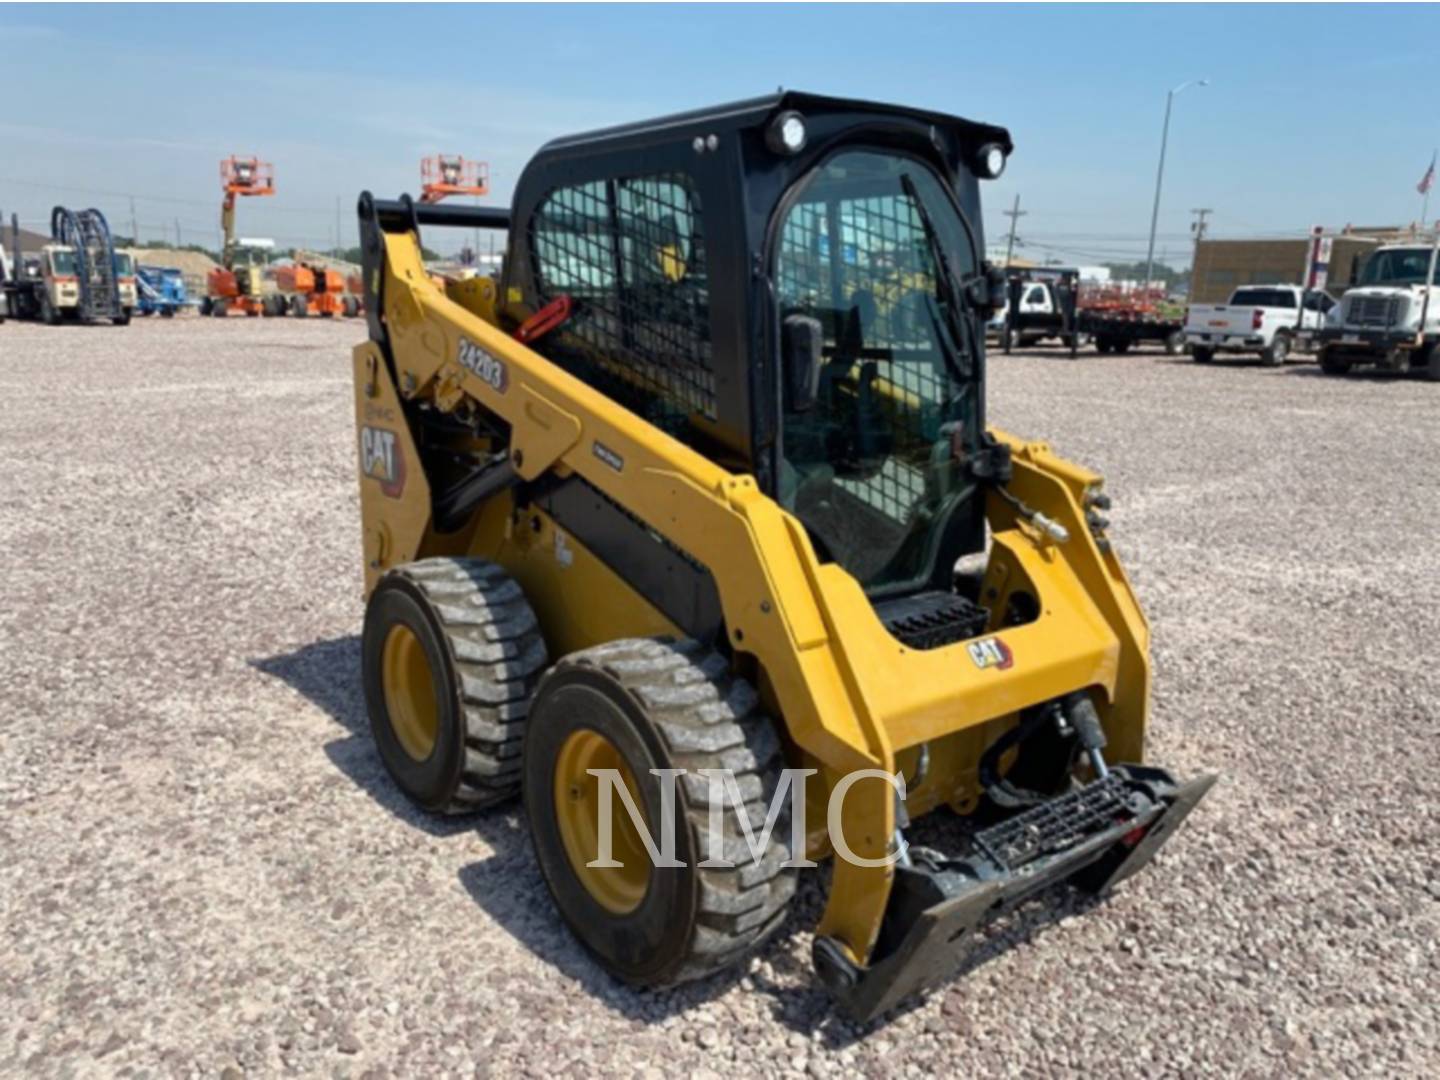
{"x": 787, "y": 133}
{"x": 990, "y": 161}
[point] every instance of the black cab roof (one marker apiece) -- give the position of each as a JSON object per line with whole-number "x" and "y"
{"x": 755, "y": 112}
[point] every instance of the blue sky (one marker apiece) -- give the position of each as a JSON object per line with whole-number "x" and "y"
{"x": 1313, "y": 115}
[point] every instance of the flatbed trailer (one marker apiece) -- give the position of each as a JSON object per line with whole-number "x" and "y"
{"x": 1117, "y": 330}
{"x": 1119, "y": 317}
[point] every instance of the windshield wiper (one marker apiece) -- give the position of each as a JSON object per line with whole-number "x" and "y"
{"x": 953, "y": 330}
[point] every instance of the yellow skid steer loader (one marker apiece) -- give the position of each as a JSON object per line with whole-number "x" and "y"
{"x": 689, "y": 527}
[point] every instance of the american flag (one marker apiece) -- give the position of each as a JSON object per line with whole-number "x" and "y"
{"x": 1428, "y": 180}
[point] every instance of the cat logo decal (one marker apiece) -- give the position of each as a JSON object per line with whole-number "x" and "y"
{"x": 991, "y": 652}
{"x": 382, "y": 459}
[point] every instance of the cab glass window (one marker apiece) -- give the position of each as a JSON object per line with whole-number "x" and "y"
{"x": 869, "y": 465}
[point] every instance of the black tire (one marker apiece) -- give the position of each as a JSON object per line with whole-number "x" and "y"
{"x": 123, "y": 319}
{"x": 1104, "y": 345}
{"x": 167, "y": 312}
{"x": 205, "y": 305}
{"x": 665, "y": 704}
{"x": 1175, "y": 343}
{"x": 350, "y": 306}
{"x": 1122, "y": 345}
{"x": 1333, "y": 363}
{"x": 1427, "y": 362}
{"x": 483, "y": 653}
{"x": 1278, "y": 351}
{"x": 220, "y": 308}
{"x": 1202, "y": 355}
{"x": 48, "y": 315}
{"x": 299, "y": 306}
{"x": 1393, "y": 361}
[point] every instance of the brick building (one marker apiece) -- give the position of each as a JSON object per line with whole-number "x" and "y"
{"x": 1222, "y": 265}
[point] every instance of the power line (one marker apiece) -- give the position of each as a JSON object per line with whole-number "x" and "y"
{"x": 168, "y": 199}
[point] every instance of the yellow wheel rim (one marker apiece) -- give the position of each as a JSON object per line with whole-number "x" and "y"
{"x": 618, "y": 889}
{"x": 409, "y": 692}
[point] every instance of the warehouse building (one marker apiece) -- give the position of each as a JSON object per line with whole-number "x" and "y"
{"x": 1222, "y": 265}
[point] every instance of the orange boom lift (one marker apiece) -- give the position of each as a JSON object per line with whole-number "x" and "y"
{"x": 313, "y": 289}
{"x": 443, "y": 175}
{"x": 230, "y": 287}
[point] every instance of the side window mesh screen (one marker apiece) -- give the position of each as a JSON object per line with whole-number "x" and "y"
{"x": 631, "y": 256}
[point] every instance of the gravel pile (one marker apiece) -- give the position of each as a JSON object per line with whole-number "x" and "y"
{"x": 203, "y": 870}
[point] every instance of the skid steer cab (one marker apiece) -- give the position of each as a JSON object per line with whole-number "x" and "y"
{"x": 688, "y": 527}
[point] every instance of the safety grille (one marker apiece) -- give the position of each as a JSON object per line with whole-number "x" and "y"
{"x": 1378, "y": 311}
{"x": 630, "y": 254}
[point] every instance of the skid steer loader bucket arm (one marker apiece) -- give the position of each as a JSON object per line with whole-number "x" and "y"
{"x": 729, "y": 388}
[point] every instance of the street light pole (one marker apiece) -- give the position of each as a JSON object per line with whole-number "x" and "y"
{"x": 1160, "y": 176}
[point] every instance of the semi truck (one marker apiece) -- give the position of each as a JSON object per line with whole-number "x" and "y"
{"x": 1391, "y": 318}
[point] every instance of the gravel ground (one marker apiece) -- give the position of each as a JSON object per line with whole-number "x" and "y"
{"x": 205, "y": 870}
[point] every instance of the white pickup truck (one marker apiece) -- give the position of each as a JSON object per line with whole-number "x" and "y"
{"x": 1271, "y": 320}
{"x": 1391, "y": 318}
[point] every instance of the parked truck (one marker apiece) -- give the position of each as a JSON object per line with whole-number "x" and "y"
{"x": 1270, "y": 321}
{"x": 1052, "y": 303}
{"x": 1391, "y": 318}
{"x": 78, "y": 276}
{"x": 1040, "y": 305}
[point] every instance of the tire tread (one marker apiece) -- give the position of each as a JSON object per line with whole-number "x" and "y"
{"x": 710, "y": 719}
{"x": 498, "y": 657}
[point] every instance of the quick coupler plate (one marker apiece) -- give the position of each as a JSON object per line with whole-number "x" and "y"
{"x": 1092, "y": 838}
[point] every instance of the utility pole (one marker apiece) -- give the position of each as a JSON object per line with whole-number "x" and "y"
{"x": 177, "y": 232}
{"x": 134, "y": 228}
{"x": 1198, "y": 228}
{"x": 1014, "y": 214}
{"x": 337, "y": 226}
